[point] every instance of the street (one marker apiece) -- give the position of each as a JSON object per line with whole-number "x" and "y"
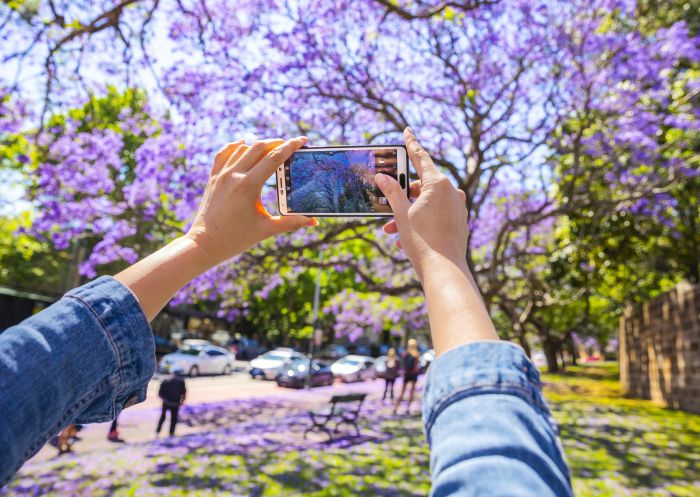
{"x": 137, "y": 423}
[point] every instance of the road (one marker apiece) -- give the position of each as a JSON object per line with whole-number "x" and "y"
{"x": 137, "y": 423}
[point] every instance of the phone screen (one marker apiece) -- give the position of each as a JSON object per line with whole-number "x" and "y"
{"x": 338, "y": 181}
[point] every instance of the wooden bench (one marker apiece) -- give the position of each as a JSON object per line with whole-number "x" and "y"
{"x": 344, "y": 410}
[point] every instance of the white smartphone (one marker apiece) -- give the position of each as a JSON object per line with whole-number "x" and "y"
{"x": 339, "y": 181}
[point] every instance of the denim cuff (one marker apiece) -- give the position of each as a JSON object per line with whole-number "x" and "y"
{"x": 480, "y": 368}
{"x": 124, "y": 324}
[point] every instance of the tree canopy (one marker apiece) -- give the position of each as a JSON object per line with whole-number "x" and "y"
{"x": 571, "y": 126}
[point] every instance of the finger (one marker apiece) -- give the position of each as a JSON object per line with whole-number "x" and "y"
{"x": 419, "y": 156}
{"x": 414, "y": 189}
{"x": 390, "y": 228}
{"x": 282, "y": 224}
{"x": 253, "y": 155}
{"x": 398, "y": 244}
{"x": 223, "y": 155}
{"x": 237, "y": 154}
{"x": 394, "y": 193}
{"x": 272, "y": 160}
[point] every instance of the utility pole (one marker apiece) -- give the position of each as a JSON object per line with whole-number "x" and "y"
{"x": 314, "y": 320}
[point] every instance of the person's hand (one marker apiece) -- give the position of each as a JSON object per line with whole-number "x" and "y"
{"x": 231, "y": 217}
{"x": 434, "y": 228}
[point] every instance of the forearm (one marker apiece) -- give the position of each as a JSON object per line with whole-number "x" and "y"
{"x": 485, "y": 417}
{"x": 155, "y": 279}
{"x": 81, "y": 360}
{"x": 456, "y": 311}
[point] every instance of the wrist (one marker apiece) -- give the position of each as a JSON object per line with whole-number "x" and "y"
{"x": 441, "y": 267}
{"x": 201, "y": 248}
{"x": 194, "y": 255}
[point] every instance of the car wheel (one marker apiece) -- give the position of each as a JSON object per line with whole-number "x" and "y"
{"x": 227, "y": 370}
{"x": 194, "y": 371}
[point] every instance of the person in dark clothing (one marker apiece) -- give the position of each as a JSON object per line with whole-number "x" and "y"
{"x": 113, "y": 435}
{"x": 411, "y": 368}
{"x": 172, "y": 391}
{"x": 392, "y": 371}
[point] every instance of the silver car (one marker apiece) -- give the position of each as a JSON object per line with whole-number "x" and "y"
{"x": 198, "y": 358}
{"x": 270, "y": 364}
{"x": 354, "y": 368}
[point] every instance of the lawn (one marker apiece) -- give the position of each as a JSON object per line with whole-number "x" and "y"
{"x": 615, "y": 446}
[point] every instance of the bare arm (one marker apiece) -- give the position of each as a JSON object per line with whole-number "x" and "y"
{"x": 230, "y": 220}
{"x": 483, "y": 410}
{"x": 433, "y": 233}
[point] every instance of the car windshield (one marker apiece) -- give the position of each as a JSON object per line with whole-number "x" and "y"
{"x": 273, "y": 357}
{"x": 299, "y": 364}
{"x": 190, "y": 350}
{"x": 350, "y": 362}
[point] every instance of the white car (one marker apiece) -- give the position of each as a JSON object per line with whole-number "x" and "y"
{"x": 269, "y": 365}
{"x": 354, "y": 368}
{"x": 197, "y": 357}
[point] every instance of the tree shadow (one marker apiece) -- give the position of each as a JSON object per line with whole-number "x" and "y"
{"x": 630, "y": 443}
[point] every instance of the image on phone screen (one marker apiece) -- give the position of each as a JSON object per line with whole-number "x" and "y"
{"x": 338, "y": 181}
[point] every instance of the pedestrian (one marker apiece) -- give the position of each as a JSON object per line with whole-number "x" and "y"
{"x": 66, "y": 439}
{"x": 411, "y": 368}
{"x": 113, "y": 434}
{"x": 390, "y": 374}
{"x": 487, "y": 424}
{"x": 172, "y": 391}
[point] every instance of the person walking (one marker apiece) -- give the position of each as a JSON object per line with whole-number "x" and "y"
{"x": 172, "y": 391}
{"x": 411, "y": 368}
{"x": 392, "y": 371}
{"x": 113, "y": 435}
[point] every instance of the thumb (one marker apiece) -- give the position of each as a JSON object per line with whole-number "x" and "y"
{"x": 283, "y": 224}
{"x": 394, "y": 193}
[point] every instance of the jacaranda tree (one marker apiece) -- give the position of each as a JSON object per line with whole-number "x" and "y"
{"x": 539, "y": 110}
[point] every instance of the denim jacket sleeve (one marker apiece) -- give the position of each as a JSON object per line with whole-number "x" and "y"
{"x": 489, "y": 428}
{"x": 82, "y": 360}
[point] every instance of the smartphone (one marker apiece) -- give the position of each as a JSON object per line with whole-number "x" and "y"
{"x": 339, "y": 181}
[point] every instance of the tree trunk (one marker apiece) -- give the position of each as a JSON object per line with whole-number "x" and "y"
{"x": 523, "y": 343}
{"x": 572, "y": 349}
{"x": 550, "y": 352}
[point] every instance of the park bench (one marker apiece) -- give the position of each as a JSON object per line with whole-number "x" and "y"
{"x": 343, "y": 410}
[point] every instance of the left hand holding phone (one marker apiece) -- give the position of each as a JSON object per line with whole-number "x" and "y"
{"x": 231, "y": 217}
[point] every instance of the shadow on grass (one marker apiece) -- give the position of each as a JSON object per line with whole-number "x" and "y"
{"x": 637, "y": 447}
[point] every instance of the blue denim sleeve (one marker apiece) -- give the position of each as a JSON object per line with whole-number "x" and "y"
{"x": 81, "y": 360}
{"x": 489, "y": 428}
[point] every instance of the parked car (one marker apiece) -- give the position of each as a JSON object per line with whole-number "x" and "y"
{"x": 363, "y": 350}
{"x": 195, "y": 358}
{"x": 269, "y": 365}
{"x": 296, "y": 371}
{"x": 426, "y": 358}
{"x": 354, "y": 368}
{"x": 164, "y": 346}
{"x": 334, "y": 352}
{"x": 247, "y": 348}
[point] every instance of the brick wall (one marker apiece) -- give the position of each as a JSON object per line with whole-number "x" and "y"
{"x": 660, "y": 349}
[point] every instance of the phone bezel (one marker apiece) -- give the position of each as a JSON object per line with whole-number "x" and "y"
{"x": 281, "y": 187}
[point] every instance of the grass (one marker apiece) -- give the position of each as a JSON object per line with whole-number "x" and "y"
{"x": 615, "y": 447}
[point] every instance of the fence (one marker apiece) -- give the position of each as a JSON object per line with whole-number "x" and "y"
{"x": 660, "y": 349}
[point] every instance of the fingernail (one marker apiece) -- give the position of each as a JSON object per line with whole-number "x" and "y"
{"x": 408, "y": 128}
{"x": 312, "y": 222}
{"x": 382, "y": 180}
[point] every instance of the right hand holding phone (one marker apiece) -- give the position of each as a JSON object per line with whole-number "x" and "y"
{"x": 434, "y": 229}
